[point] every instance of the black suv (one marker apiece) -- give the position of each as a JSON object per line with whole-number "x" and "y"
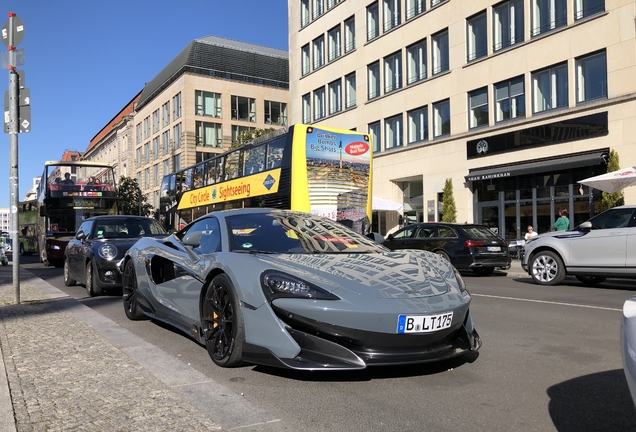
{"x": 466, "y": 246}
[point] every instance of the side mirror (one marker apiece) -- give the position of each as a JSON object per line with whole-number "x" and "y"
{"x": 585, "y": 226}
{"x": 192, "y": 239}
{"x": 390, "y": 237}
{"x": 81, "y": 236}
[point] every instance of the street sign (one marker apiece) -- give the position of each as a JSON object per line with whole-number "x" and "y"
{"x": 25, "y": 98}
{"x": 18, "y": 58}
{"x": 13, "y": 25}
{"x": 24, "y": 119}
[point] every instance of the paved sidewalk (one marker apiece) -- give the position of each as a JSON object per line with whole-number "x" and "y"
{"x": 66, "y": 367}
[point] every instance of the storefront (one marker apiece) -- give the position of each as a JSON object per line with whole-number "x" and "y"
{"x": 510, "y": 197}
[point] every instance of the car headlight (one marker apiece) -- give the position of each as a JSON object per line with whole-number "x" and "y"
{"x": 278, "y": 285}
{"x": 461, "y": 283}
{"x": 107, "y": 251}
{"x": 52, "y": 246}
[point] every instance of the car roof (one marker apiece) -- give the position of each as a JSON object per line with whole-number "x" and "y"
{"x": 106, "y": 217}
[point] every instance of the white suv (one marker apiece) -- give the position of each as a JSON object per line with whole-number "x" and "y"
{"x": 602, "y": 247}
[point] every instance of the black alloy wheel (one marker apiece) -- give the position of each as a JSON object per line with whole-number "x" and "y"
{"x": 130, "y": 293}
{"x": 222, "y": 323}
{"x": 68, "y": 281}
{"x": 91, "y": 281}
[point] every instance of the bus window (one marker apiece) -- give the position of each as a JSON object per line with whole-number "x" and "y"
{"x": 232, "y": 165}
{"x": 275, "y": 154}
{"x": 187, "y": 180}
{"x": 255, "y": 159}
{"x": 198, "y": 175}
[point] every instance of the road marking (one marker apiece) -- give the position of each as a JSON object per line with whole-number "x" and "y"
{"x": 547, "y": 302}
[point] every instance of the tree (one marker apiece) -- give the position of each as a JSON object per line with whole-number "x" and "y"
{"x": 609, "y": 200}
{"x": 449, "y": 212}
{"x": 130, "y": 199}
{"x": 249, "y": 136}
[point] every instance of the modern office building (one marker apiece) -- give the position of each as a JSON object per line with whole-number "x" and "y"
{"x": 113, "y": 144}
{"x": 516, "y": 101}
{"x": 194, "y": 108}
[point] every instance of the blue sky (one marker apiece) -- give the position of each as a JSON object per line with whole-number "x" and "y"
{"x": 85, "y": 60}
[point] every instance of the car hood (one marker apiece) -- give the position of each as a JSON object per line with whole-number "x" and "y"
{"x": 558, "y": 234}
{"x": 395, "y": 275}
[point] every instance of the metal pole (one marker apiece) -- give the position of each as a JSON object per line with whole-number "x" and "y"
{"x": 13, "y": 160}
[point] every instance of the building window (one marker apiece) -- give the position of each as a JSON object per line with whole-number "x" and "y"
{"x": 147, "y": 178}
{"x": 207, "y": 103}
{"x": 416, "y": 62}
{"x": 374, "y": 80}
{"x": 440, "y": 52}
{"x": 176, "y": 135}
{"x": 139, "y": 133}
{"x": 350, "y": 90}
{"x": 243, "y": 108}
{"x": 146, "y": 152}
{"x": 156, "y": 174}
{"x": 334, "y": 43}
{"x": 139, "y": 157}
{"x": 155, "y": 121}
{"x": 239, "y": 130}
{"x": 318, "y": 9}
{"x": 335, "y": 96}
{"x": 373, "y": 24}
{"x": 507, "y": 24}
{"x": 441, "y": 118}
{"x": 436, "y": 2}
{"x": 304, "y": 13}
{"x": 350, "y": 34}
{"x": 392, "y": 14}
{"x": 332, "y": 3}
{"x": 276, "y": 113}
{"x": 176, "y": 106}
{"x": 147, "y": 127}
{"x": 591, "y": 77}
{"x": 414, "y": 8}
{"x": 319, "y": 51}
{"x": 510, "y": 99}
{"x": 177, "y": 162}
{"x": 393, "y": 72}
{"x": 374, "y": 131}
{"x": 393, "y": 131}
{"x": 209, "y": 134}
{"x": 548, "y": 15}
{"x": 155, "y": 147}
{"x": 166, "y": 167}
{"x": 550, "y": 88}
{"x": 307, "y": 108}
{"x": 306, "y": 59}
{"x": 319, "y": 103}
{"x": 478, "y": 106}
{"x": 585, "y": 8}
{"x": 417, "y": 124}
{"x": 165, "y": 109}
{"x": 165, "y": 137}
{"x": 477, "y": 46}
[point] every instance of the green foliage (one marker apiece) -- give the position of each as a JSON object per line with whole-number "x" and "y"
{"x": 449, "y": 212}
{"x": 249, "y": 136}
{"x": 130, "y": 199}
{"x": 609, "y": 200}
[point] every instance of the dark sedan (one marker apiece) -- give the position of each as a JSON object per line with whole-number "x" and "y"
{"x": 91, "y": 256}
{"x": 466, "y": 246}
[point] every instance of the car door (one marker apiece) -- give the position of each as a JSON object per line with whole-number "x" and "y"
{"x": 75, "y": 251}
{"x": 605, "y": 245}
{"x": 630, "y": 260}
{"x": 401, "y": 239}
{"x": 181, "y": 293}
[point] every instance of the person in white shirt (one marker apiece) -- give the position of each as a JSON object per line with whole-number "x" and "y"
{"x": 531, "y": 233}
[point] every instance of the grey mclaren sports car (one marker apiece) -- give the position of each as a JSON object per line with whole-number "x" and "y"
{"x": 293, "y": 290}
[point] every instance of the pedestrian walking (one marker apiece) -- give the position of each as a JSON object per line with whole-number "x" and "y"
{"x": 562, "y": 223}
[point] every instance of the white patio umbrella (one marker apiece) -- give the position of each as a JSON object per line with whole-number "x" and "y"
{"x": 384, "y": 204}
{"x": 612, "y": 181}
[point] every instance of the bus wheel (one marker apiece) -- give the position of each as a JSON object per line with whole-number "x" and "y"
{"x": 91, "y": 281}
{"x": 21, "y": 249}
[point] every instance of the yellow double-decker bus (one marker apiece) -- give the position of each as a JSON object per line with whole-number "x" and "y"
{"x": 322, "y": 170}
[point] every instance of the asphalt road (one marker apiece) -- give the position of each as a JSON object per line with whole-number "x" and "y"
{"x": 550, "y": 361}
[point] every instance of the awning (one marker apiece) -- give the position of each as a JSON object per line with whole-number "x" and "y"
{"x": 384, "y": 204}
{"x": 539, "y": 165}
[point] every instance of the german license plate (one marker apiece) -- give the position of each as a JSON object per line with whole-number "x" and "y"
{"x": 424, "y": 323}
{"x": 493, "y": 248}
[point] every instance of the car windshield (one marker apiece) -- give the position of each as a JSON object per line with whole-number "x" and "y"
{"x": 480, "y": 232}
{"x": 126, "y": 228}
{"x": 291, "y": 232}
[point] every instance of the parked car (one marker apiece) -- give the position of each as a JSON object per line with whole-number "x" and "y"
{"x": 602, "y": 247}
{"x": 3, "y": 257}
{"x": 101, "y": 241}
{"x": 628, "y": 344}
{"x": 466, "y": 246}
{"x": 298, "y": 291}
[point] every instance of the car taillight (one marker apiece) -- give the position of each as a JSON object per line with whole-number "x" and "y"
{"x": 471, "y": 243}
{"x": 505, "y": 244}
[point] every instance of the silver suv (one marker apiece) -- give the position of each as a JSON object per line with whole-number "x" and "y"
{"x": 602, "y": 247}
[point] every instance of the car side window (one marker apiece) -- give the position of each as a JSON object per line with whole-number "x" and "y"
{"x": 85, "y": 228}
{"x": 405, "y": 233}
{"x": 614, "y": 218}
{"x": 210, "y": 235}
{"x": 445, "y": 232}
